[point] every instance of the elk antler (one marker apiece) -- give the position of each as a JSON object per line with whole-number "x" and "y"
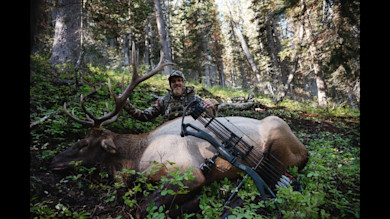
{"x": 121, "y": 99}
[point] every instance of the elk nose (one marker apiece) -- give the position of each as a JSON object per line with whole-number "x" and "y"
{"x": 55, "y": 165}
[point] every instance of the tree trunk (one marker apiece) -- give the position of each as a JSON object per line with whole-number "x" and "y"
{"x": 147, "y": 38}
{"x": 151, "y": 45}
{"x": 237, "y": 52}
{"x": 206, "y": 58}
{"x": 242, "y": 71}
{"x": 244, "y": 46}
{"x": 126, "y": 40}
{"x": 207, "y": 74}
{"x": 125, "y": 49}
{"x": 283, "y": 65}
{"x": 234, "y": 77}
{"x": 272, "y": 49}
{"x": 286, "y": 86}
{"x": 213, "y": 75}
{"x": 163, "y": 35}
{"x": 321, "y": 89}
{"x": 67, "y": 36}
{"x": 221, "y": 74}
{"x": 207, "y": 64}
{"x": 314, "y": 55}
{"x": 356, "y": 92}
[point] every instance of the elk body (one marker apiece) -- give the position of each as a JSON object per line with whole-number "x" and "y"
{"x": 139, "y": 152}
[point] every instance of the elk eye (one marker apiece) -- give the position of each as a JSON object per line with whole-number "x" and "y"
{"x": 82, "y": 144}
{"x": 83, "y": 147}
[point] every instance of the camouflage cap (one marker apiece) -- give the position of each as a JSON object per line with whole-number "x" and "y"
{"x": 176, "y": 73}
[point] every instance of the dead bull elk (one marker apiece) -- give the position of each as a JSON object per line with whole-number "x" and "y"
{"x": 138, "y": 152}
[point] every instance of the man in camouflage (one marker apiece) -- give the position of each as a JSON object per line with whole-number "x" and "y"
{"x": 172, "y": 104}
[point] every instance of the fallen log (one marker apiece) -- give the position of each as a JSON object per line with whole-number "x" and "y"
{"x": 236, "y": 106}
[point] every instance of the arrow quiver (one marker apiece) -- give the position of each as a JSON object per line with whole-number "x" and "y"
{"x": 266, "y": 170}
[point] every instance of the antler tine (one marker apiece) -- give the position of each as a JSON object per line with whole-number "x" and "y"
{"x": 90, "y": 122}
{"x": 136, "y": 79}
{"x": 112, "y": 92}
{"x": 113, "y": 119}
{"x": 85, "y": 110}
{"x": 126, "y": 93}
{"x": 159, "y": 67}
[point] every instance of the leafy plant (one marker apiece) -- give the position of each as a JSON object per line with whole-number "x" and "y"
{"x": 211, "y": 207}
{"x": 156, "y": 212}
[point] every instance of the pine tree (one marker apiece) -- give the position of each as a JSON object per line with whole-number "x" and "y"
{"x": 196, "y": 37}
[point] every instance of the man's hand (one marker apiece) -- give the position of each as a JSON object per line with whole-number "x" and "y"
{"x": 207, "y": 104}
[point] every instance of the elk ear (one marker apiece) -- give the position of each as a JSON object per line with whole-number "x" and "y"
{"x": 109, "y": 146}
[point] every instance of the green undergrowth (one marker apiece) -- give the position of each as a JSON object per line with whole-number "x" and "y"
{"x": 330, "y": 180}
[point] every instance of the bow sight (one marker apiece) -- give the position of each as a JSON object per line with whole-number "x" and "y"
{"x": 266, "y": 171}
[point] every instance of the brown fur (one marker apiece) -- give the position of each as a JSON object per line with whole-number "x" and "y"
{"x": 139, "y": 152}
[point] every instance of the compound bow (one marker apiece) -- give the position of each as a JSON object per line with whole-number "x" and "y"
{"x": 233, "y": 147}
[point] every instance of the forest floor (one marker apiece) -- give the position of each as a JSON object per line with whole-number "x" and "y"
{"x": 57, "y": 194}
{"x": 331, "y": 179}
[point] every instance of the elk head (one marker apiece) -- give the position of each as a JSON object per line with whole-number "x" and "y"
{"x": 97, "y": 146}
{"x": 99, "y": 143}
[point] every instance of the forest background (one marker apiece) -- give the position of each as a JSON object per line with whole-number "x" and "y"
{"x": 295, "y": 59}
{"x": 302, "y": 49}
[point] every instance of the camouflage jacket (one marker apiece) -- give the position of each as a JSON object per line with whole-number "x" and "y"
{"x": 169, "y": 106}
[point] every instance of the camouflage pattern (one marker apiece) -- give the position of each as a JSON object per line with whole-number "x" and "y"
{"x": 169, "y": 106}
{"x": 176, "y": 73}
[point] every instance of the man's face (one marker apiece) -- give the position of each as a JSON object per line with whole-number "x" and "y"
{"x": 177, "y": 85}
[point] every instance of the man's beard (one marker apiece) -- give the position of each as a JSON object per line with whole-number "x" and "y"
{"x": 177, "y": 91}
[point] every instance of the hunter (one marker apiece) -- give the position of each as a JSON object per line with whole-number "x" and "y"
{"x": 172, "y": 104}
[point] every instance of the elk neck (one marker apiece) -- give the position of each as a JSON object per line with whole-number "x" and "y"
{"x": 130, "y": 148}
